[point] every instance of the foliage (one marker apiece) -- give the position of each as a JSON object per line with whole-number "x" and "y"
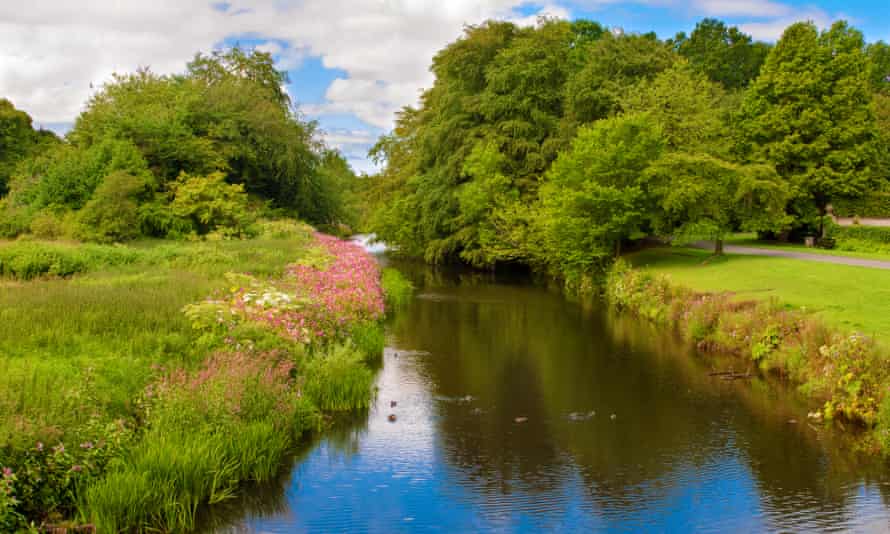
{"x": 211, "y": 205}
{"x": 611, "y": 66}
{"x": 809, "y": 114}
{"x": 872, "y": 204}
{"x": 226, "y": 118}
{"x": 861, "y": 238}
{"x": 18, "y": 141}
{"x": 724, "y": 54}
{"x": 68, "y": 177}
{"x": 703, "y": 196}
{"x": 112, "y": 214}
{"x": 848, "y": 373}
{"x": 595, "y": 194}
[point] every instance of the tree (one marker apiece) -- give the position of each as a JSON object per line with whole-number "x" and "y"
{"x": 687, "y": 106}
{"x": 595, "y": 195}
{"x": 879, "y": 63}
{"x": 611, "y": 65}
{"x": 253, "y": 66}
{"x": 18, "y": 140}
{"x": 701, "y": 196}
{"x": 724, "y": 54}
{"x": 809, "y": 113}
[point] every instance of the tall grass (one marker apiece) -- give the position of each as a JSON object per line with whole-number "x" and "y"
{"x": 396, "y": 288}
{"x": 106, "y": 385}
{"x": 336, "y": 379}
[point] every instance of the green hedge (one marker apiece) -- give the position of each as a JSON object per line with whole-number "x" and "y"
{"x": 870, "y": 205}
{"x": 874, "y": 234}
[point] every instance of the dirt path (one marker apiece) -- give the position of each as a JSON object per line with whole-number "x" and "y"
{"x": 824, "y": 258}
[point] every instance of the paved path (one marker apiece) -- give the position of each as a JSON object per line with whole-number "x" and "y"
{"x": 824, "y": 258}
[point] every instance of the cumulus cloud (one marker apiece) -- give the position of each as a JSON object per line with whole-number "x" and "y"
{"x": 771, "y": 30}
{"x": 53, "y": 51}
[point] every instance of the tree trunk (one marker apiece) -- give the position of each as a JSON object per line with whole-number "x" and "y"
{"x": 718, "y": 246}
{"x": 618, "y": 248}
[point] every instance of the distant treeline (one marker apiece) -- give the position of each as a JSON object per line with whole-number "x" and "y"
{"x": 551, "y": 145}
{"x": 189, "y": 154}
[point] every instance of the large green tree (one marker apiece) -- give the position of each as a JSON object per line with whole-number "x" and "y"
{"x": 18, "y": 140}
{"x": 596, "y": 194}
{"x": 725, "y": 54}
{"x": 809, "y": 113}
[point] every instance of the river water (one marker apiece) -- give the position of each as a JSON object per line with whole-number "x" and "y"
{"x": 519, "y": 410}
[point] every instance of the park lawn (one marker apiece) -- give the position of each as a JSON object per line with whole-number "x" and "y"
{"x": 750, "y": 240}
{"x": 849, "y": 298}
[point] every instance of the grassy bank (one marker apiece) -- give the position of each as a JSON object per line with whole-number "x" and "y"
{"x": 846, "y": 297}
{"x": 716, "y": 305}
{"x": 139, "y": 383}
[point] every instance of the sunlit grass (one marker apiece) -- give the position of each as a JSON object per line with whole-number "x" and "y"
{"x": 847, "y": 297}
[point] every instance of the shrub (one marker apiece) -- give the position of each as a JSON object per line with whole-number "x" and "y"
{"x": 211, "y": 204}
{"x": 69, "y": 175}
{"x": 48, "y": 225}
{"x": 14, "y": 220}
{"x": 112, "y": 214}
{"x": 26, "y": 260}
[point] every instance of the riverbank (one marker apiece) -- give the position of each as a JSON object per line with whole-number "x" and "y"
{"x": 157, "y": 378}
{"x": 845, "y": 373}
{"x": 848, "y": 298}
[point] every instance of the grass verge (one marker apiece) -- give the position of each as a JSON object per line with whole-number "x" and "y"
{"x": 152, "y": 380}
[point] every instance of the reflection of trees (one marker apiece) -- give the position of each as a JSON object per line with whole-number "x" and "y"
{"x": 527, "y": 352}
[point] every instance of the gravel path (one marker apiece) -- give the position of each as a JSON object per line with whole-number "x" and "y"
{"x": 824, "y": 258}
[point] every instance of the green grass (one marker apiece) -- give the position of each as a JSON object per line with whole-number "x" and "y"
{"x": 849, "y": 298}
{"x": 750, "y": 240}
{"x": 397, "y": 289}
{"x": 92, "y": 340}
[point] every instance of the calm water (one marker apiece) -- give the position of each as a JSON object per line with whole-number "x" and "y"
{"x": 685, "y": 451}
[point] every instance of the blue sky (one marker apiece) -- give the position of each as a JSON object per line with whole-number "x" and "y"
{"x": 352, "y": 63}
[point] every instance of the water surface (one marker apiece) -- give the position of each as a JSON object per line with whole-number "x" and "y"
{"x": 622, "y": 428}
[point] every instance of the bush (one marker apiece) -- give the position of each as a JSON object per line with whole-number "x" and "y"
{"x": 112, "y": 214}
{"x": 212, "y": 205}
{"x": 26, "y": 260}
{"x": 69, "y": 175}
{"x": 14, "y": 220}
{"x": 48, "y": 226}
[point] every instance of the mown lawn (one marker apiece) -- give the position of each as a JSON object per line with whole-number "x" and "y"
{"x": 850, "y": 298}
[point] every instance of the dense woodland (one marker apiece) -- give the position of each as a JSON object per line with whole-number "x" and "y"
{"x": 203, "y": 152}
{"x": 552, "y": 145}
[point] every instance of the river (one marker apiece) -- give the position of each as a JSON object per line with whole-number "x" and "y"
{"x": 517, "y": 409}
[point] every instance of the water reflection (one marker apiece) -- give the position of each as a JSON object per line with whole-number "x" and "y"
{"x": 670, "y": 447}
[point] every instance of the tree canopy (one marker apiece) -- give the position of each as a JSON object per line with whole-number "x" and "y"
{"x": 551, "y": 145}
{"x": 226, "y": 117}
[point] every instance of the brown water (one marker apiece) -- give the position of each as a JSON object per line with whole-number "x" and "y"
{"x": 655, "y": 443}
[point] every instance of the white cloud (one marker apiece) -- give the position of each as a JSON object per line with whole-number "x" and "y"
{"x": 772, "y": 30}
{"x": 53, "y": 51}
